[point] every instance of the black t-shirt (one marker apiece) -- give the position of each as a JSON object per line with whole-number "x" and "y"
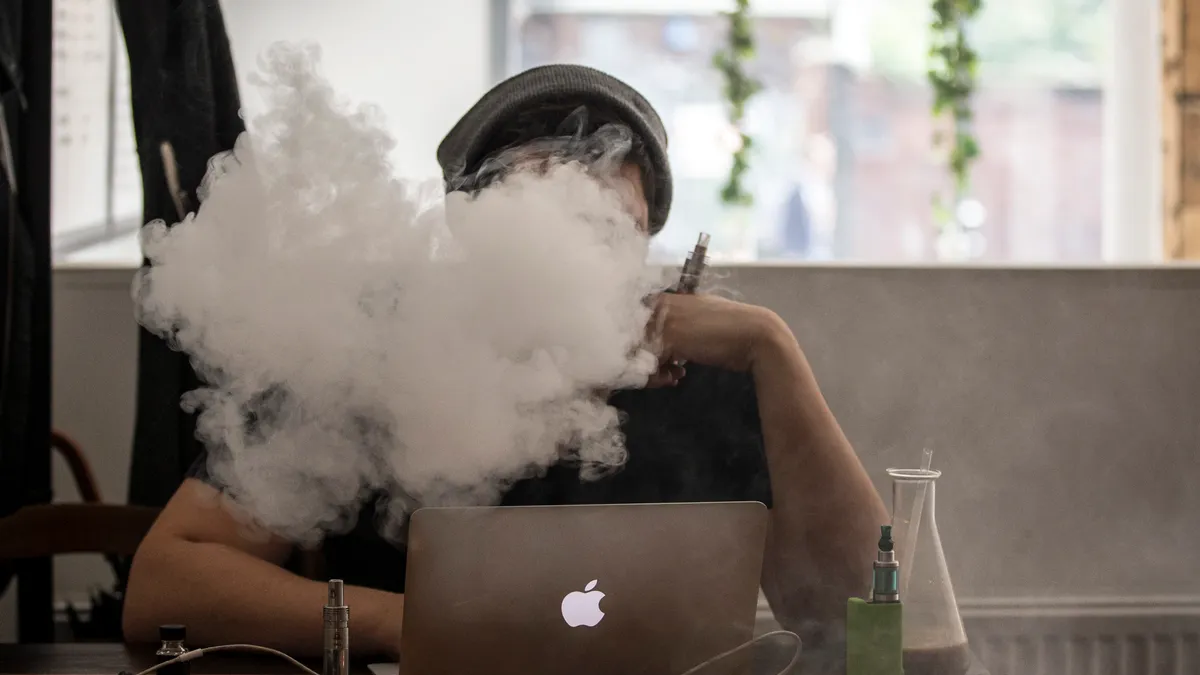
{"x": 700, "y": 441}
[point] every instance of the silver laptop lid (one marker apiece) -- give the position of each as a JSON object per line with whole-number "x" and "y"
{"x": 584, "y": 590}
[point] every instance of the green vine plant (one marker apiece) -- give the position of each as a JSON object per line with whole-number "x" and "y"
{"x": 739, "y": 88}
{"x": 952, "y": 72}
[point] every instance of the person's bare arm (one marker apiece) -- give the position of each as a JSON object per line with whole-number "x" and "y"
{"x": 202, "y": 567}
{"x": 826, "y": 513}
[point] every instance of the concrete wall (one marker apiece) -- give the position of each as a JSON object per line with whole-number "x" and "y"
{"x": 1060, "y": 404}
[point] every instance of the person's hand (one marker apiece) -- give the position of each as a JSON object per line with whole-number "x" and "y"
{"x": 707, "y": 330}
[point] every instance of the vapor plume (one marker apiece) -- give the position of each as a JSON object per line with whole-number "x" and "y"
{"x": 363, "y": 335}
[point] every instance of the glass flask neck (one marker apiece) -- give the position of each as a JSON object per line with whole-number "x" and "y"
{"x": 913, "y": 517}
{"x": 913, "y": 497}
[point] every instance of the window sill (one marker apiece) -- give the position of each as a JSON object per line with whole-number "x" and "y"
{"x": 76, "y": 275}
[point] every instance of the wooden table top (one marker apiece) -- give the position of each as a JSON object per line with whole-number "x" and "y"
{"x": 110, "y": 659}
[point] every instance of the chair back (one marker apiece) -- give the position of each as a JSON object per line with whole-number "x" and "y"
{"x": 55, "y": 529}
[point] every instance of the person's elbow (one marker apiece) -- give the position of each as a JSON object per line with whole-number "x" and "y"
{"x": 148, "y": 591}
{"x": 195, "y": 549}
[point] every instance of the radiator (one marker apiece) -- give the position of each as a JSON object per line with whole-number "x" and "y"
{"x": 1074, "y": 654}
{"x": 1115, "y": 636}
{"x": 1072, "y": 636}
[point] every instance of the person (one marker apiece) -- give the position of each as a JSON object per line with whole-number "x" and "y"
{"x": 744, "y": 420}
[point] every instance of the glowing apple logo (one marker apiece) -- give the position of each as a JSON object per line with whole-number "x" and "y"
{"x": 583, "y": 608}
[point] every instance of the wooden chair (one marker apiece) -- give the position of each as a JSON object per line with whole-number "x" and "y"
{"x": 46, "y": 530}
{"x": 77, "y": 464}
{"x": 56, "y": 529}
{"x": 90, "y": 527}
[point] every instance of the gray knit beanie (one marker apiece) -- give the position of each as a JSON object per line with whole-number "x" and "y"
{"x": 469, "y": 141}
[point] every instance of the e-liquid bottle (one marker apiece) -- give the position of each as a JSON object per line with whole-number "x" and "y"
{"x": 172, "y": 637}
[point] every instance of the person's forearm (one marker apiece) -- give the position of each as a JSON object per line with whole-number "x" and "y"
{"x": 224, "y": 595}
{"x": 826, "y": 512}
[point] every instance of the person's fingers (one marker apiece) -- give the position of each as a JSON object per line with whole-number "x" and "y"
{"x": 660, "y": 379}
{"x": 658, "y": 319}
{"x": 668, "y": 375}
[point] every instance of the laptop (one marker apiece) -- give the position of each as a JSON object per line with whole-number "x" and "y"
{"x": 650, "y": 589}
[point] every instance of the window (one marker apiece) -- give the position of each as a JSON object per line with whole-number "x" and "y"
{"x": 844, "y": 168}
{"x": 1067, "y": 117}
{"x": 96, "y": 188}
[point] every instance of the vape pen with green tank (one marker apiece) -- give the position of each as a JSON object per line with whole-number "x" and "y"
{"x": 874, "y": 634}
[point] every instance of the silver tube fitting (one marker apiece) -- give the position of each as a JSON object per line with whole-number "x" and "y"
{"x": 337, "y": 631}
{"x": 885, "y": 572}
{"x": 693, "y": 267}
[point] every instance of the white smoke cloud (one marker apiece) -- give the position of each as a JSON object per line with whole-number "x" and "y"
{"x": 358, "y": 340}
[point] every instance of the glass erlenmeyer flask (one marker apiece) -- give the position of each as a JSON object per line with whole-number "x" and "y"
{"x": 934, "y": 640}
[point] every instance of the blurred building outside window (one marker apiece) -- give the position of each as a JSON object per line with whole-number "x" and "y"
{"x": 843, "y": 167}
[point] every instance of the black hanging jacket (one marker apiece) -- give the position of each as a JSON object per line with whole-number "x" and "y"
{"x": 185, "y": 93}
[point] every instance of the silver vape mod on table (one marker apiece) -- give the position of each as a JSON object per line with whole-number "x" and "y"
{"x": 337, "y": 631}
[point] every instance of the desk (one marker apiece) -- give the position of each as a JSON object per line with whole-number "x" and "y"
{"x": 109, "y": 659}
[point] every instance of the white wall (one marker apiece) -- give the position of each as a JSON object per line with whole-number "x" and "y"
{"x": 94, "y": 355}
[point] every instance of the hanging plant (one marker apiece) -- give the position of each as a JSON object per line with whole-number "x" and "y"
{"x": 952, "y": 76}
{"x": 739, "y": 88}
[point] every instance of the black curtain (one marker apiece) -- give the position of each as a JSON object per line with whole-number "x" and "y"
{"x": 185, "y": 94}
{"x": 25, "y": 50}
